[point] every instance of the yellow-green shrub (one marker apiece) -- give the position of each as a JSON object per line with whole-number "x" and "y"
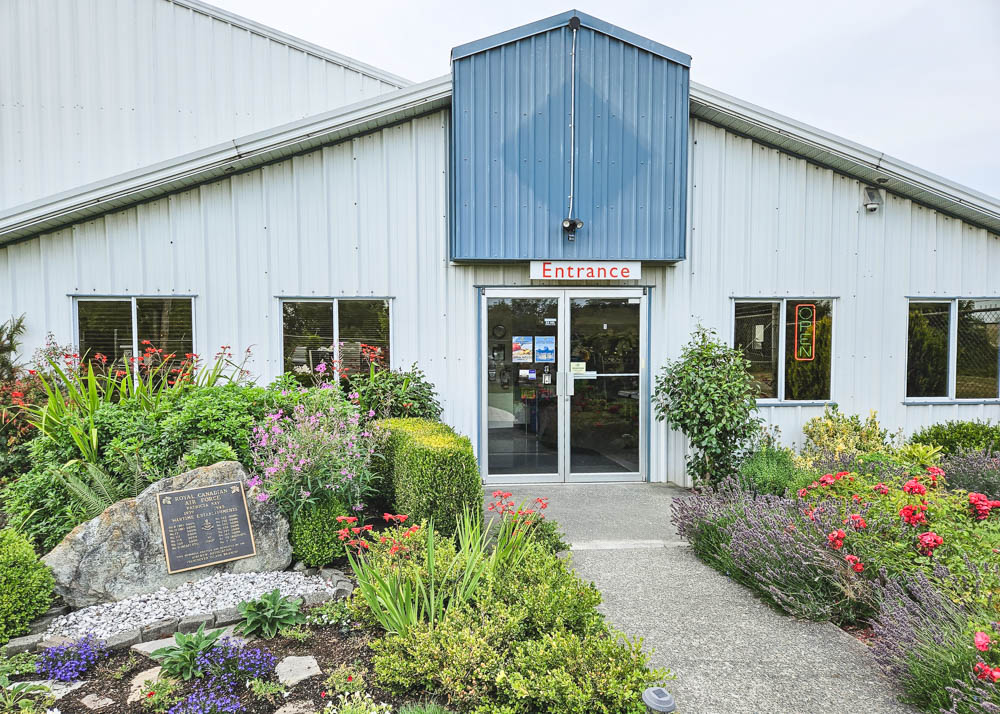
{"x": 433, "y": 471}
{"x": 25, "y": 585}
{"x": 836, "y": 434}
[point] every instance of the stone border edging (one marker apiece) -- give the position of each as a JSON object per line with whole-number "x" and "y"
{"x": 165, "y": 628}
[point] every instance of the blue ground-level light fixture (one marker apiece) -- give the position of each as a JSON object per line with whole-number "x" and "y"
{"x": 569, "y": 140}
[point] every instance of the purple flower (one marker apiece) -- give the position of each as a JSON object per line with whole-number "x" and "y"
{"x": 263, "y": 496}
{"x": 70, "y": 661}
{"x": 321, "y": 367}
{"x": 254, "y": 481}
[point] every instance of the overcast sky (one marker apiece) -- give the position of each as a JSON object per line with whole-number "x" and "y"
{"x": 917, "y": 79}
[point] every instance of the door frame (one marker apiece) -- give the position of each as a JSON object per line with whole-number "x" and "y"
{"x": 564, "y": 295}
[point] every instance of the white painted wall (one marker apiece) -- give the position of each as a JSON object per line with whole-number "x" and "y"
{"x": 369, "y": 217}
{"x": 93, "y": 88}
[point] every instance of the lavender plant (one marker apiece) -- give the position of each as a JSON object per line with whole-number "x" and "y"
{"x": 925, "y": 639}
{"x": 71, "y": 661}
{"x": 769, "y": 544}
{"x": 975, "y": 470}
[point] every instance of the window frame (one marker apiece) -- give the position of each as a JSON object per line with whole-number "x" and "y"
{"x": 782, "y": 303}
{"x": 335, "y": 299}
{"x": 132, "y": 300}
{"x": 951, "y": 397}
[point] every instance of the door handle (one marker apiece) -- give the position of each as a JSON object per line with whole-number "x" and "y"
{"x": 571, "y": 386}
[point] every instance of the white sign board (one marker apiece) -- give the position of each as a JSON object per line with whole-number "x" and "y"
{"x": 586, "y": 270}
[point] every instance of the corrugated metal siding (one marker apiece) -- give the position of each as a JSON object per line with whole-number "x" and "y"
{"x": 511, "y": 150}
{"x": 765, "y": 224}
{"x": 93, "y": 88}
{"x": 369, "y": 217}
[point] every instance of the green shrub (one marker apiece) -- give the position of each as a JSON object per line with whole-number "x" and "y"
{"x": 546, "y": 533}
{"x": 566, "y": 673}
{"x": 222, "y": 413}
{"x": 769, "y": 470}
{"x": 207, "y": 453}
{"x": 709, "y": 394}
{"x": 313, "y": 533}
{"x": 839, "y": 435}
{"x": 956, "y": 436}
{"x": 434, "y": 472}
{"x": 25, "y": 585}
{"x": 395, "y": 394}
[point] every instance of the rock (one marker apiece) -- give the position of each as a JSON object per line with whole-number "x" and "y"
{"x": 58, "y": 690}
{"x": 316, "y": 598}
{"x": 22, "y": 644}
{"x": 191, "y": 623}
{"x": 119, "y": 553}
{"x": 135, "y": 686}
{"x": 93, "y": 701}
{"x": 300, "y": 707}
{"x": 124, "y": 639}
{"x": 228, "y": 616}
{"x": 299, "y": 567}
{"x": 53, "y": 641}
{"x": 292, "y": 670}
{"x": 159, "y": 629}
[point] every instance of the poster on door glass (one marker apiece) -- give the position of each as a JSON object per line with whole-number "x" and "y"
{"x": 545, "y": 348}
{"x": 521, "y": 349}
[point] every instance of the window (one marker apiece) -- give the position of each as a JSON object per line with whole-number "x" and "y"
{"x": 953, "y": 349}
{"x": 789, "y": 360}
{"x": 355, "y": 332}
{"x": 117, "y": 327}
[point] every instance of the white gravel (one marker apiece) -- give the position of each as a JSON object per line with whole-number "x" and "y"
{"x": 202, "y": 596}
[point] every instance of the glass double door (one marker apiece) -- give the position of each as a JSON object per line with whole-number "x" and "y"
{"x": 564, "y": 385}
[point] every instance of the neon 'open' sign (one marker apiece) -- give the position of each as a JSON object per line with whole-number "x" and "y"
{"x": 805, "y": 332}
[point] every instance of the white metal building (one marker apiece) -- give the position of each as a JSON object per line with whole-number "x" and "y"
{"x": 294, "y": 200}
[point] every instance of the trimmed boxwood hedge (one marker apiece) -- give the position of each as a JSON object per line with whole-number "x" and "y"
{"x": 433, "y": 471}
{"x": 313, "y": 533}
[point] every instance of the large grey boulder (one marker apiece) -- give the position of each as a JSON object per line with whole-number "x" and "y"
{"x": 120, "y": 553}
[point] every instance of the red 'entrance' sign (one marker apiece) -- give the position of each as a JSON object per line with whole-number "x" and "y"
{"x": 805, "y": 332}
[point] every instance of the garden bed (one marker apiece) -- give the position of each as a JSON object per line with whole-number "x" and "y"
{"x": 329, "y": 645}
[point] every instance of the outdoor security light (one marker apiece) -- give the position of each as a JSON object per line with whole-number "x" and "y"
{"x": 571, "y": 226}
{"x": 658, "y": 699}
{"x": 873, "y": 199}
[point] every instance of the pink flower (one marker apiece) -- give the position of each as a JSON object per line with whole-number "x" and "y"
{"x": 928, "y": 542}
{"x": 263, "y": 496}
{"x": 982, "y": 641}
{"x": 321, "y": 367}
{"x": 914, "y": 486}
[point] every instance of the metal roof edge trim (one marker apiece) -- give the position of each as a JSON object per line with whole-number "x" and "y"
{"x": 812, "y": 138}
{"x": 551, "y": 23}
{"x": 221, "y": 160}
{"x": 293, "y": 41}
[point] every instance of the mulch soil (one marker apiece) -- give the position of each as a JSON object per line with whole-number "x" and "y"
{"x": 331, "y": 648}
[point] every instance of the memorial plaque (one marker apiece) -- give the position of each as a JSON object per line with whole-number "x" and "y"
{"x": 205, "y": 526}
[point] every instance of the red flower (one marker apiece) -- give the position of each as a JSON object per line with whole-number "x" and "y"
{"x": 928, "y": 542}
{"x": 857, "y": 521}
{"x": 881, "y": 488}
{"x": 985, "y": 672}
{"x": 981, "y": 506}
{"x": 855, "y": 562}
{"x": 913, "y": 515}
{"x": 914, "y": 486}
{"x": 350, "y": 678}
{"x": 836, "y": 539}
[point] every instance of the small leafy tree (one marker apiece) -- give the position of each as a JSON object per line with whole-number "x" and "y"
{"x": 709, "y": 394}
{"x": 10, "y": 339}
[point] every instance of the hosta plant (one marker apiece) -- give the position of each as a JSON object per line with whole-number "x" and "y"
{"x": 269, "y": 614}
{"x": 181, "y": 660}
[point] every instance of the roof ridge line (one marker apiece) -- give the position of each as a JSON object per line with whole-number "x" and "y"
{"x": 293, "y": 41}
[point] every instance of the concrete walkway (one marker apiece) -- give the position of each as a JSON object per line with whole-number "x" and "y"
{"x": 730, "y": 651}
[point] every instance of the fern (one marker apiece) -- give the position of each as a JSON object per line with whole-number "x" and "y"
{"x": 10, "y": 332}
{"x": 101, "y": 489}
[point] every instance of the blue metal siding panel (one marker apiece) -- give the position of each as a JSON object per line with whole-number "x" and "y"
{"x": 510, "y": 150}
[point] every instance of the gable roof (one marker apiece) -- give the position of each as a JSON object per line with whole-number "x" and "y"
{"x": 244, "y": 153}
{"x": 550, "y": 23}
